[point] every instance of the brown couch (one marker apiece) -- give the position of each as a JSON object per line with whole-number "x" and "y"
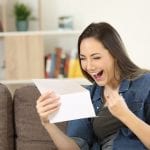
{"x": 20, "y": 127}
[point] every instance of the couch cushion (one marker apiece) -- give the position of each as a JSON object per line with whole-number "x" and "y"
{"x": 6, "y": 119}
{"x": 30, "y": 134}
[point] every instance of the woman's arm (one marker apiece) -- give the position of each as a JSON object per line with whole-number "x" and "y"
{"x": 120, "y": 110}
{"x": 137, "y": 126}
{"x": 61, "y": 141}
{"x": 47, "y": 104}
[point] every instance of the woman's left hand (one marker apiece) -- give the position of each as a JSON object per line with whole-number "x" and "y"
{"x": 116, "y": 103}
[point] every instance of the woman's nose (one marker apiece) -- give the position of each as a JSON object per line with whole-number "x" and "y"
{"x": 89, "y": 65}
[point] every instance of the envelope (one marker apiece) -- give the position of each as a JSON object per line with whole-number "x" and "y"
{"x": 75, "y": 100}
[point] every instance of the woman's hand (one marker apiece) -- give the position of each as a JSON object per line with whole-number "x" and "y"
{"x": 116, "y": 103}
{"x": 47, "y": 104}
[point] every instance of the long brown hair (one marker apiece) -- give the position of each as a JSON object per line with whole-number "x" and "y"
{"x": 112, "y": 41}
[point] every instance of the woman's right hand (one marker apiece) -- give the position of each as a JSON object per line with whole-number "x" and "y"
{"x": 47, "y": 104}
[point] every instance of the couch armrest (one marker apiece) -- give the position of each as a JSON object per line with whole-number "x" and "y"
{"x": 6, "y": 119}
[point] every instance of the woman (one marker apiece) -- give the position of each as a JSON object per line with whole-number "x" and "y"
{"x": 120, "y": 95}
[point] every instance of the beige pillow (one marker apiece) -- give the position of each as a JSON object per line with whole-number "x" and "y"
{"x": 6, "y": 119}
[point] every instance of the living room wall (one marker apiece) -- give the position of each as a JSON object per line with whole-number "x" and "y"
{"x": 129, "y": 17}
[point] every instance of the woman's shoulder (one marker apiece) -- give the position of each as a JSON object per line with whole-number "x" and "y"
{"x": 144, "y": 78}
{"x": 147, "y": 76}
{"x": 142, "y": 82}
{"x": 140, "y": 87}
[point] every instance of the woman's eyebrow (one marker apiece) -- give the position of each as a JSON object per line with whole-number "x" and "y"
{"x": 95, "y": 54}
{"x": 81, "y": 55}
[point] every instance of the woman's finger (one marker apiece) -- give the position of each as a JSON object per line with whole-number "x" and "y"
{"x": 45, "y": 96}
{"x": 49, "y": 107}
{"x": 48, "y": 101}
{"x": 46, "y": 114}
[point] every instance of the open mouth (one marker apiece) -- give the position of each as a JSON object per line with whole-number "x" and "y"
{"x": 98, "y": 75}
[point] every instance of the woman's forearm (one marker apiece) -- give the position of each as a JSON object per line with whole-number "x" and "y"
{"x": 138, "y": 127}
{"x": 62, "y": 141}
{"x": 47, "y": 104}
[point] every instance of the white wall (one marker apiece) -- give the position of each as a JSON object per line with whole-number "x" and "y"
{"x": 129, "y": 17}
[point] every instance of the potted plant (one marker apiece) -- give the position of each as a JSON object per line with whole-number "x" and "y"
{"x": 22, "y": 15}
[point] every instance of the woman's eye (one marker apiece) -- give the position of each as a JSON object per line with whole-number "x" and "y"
{"x": 97, "y": 58}
{"x": 82, "y": 58}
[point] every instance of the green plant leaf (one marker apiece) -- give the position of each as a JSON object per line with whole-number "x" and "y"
{"x": 21, "y": 11}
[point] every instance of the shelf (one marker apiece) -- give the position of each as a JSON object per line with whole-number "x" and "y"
{"x": 50, "y": 32}
{"x": 22, "y": 47}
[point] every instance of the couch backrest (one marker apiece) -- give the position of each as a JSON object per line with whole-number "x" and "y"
{"x": 6, "y": 119}
{"x": 30, "y": 134}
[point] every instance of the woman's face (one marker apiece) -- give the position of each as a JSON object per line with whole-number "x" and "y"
{"x": 97, "y": 61}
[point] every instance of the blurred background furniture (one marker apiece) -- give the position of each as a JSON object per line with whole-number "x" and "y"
{"x": 20, "y": 126}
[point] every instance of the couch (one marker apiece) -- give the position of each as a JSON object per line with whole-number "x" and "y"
{"x": 20, "y": 126}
